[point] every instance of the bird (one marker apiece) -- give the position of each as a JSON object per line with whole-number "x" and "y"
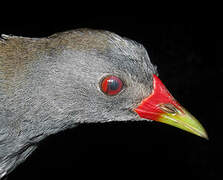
{"x": 50, "y": 84}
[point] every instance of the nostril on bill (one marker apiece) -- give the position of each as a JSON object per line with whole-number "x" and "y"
{"x": 168, "y": 108}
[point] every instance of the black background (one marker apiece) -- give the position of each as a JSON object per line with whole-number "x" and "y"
{"x": 186, "y": 59}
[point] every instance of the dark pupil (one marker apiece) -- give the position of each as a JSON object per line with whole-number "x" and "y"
{"x": 113, "y": 84}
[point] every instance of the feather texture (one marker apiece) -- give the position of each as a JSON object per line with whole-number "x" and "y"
{"x": 50, "y": 84}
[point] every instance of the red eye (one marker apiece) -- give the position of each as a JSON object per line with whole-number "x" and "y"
{"x": 111, "y": 85}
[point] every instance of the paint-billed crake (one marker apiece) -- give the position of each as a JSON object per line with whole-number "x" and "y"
{"x": 51, "y": 84}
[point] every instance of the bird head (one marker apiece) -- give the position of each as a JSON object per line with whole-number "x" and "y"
{"x": 82, "y": 76}
{"x": 107, "y": 78}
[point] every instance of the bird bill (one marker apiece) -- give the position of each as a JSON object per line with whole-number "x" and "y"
{"x": 162, "y": 107}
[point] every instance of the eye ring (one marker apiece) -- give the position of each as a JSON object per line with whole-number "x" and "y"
{"x": 111, "y": 85}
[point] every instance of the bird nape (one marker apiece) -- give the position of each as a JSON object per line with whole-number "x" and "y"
{"x": 51, "y": 84}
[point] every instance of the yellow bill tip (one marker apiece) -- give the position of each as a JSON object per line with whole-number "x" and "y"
{"x": 185, "y": 121}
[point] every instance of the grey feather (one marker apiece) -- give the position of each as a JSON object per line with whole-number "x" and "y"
{"x": 50, "y": 84}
